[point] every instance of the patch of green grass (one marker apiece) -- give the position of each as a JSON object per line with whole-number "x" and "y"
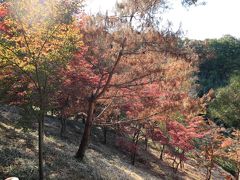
{"x": 25, "y": 168}
{"x": 15, "y": 163}
{"x": 227, "y": 164}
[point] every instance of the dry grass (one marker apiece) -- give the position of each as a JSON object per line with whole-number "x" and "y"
{"x": 18, "y": 157}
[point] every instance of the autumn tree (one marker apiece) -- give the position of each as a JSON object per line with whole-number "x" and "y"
{"x": 216, "y": 147}
{"x": 111, "y": 40}
{"x": 146, "y": 84}
{"x": 230, "y": 147}
{"x": 37, "y": 39}
{"x": 163, "y": 110}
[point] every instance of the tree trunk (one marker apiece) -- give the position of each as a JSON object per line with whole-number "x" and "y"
{"x": 40, "y": 144}
{"x": 87, "y": 130}
{"x": 105, "y": 135}
{"x": 133, "y": 158}
{"x": 237, "y": 174}
{"x": 63, "y": 127}
{"x": 177, "y": 165}
{"x": 174, "y": 161}
{"x": 162, "y": 151}
{"x": 83, "y": 120}
{"x": 135, "y": 141}
{"x": 52, "y": 112}
{"x": 181, "y": 162}
{"x": 209, "y": 174}
{"x": 146, "y": 143}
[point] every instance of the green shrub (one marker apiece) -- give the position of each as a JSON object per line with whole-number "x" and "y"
{"x": 227, "y": 164}
{"x": 227, "y": 103}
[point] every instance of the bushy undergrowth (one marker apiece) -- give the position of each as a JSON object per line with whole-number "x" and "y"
{"x": 227, "y": 164}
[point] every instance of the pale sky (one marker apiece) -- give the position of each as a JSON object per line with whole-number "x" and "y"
{"x": 215, "y": 19}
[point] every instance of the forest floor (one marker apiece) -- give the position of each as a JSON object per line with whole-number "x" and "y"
{"x": 18, "y": 155}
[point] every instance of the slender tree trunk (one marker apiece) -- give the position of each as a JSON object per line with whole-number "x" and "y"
{"x": 209, "y": 174}
{"x": 87, "y": 130}
{"x": 146, "y": 143}
{"x": 105, "y": 135}
{"x": 237, "y": 174}
{"x": 133, "y": 158}
{"x": 209, "y": 170}
{"x": 162, "y": 152}
{"x": 174, "y": 161}
{"x": 181, "y": 164}
{"x": 52, "y": 112}
{"x": 83, "y": 120}
{"x": 135, "y": 141}
{"x": 40, "y": 144}
{"x": 63, "y": 127}
{"x": 177, "y": 165}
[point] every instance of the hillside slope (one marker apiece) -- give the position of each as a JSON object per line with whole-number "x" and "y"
{"x": 18, "y": 156}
